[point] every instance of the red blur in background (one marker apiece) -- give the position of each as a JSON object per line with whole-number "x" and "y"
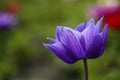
{"x": 113, "y": 19}
{"x": 13, "y": 7}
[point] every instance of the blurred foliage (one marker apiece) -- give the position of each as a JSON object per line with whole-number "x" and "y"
{"x": 22, "y": 47}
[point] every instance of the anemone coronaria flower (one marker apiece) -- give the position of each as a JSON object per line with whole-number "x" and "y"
{"x": 86, "y": 41}
{"x": 7, "y": 20}
{"x": 8, "y": 16}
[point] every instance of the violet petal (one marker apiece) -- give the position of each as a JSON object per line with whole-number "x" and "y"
{"x": 89, "y": 33}
{"x": 98, "y": 25}
{"x": 51, "y": 40}
{"x": 104, "y": 37}
{"x": 81, "y": 27}
{"x": 58, "y": 32}
{"x": 94, "y": 49}
{"x": 71, "y": 40}
{"x": 58, "y": 49}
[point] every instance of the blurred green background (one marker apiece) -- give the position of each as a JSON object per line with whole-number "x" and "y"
{"x": 23, "y": 56}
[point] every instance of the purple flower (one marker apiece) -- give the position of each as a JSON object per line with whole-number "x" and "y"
{"x": 86, "y": 41}
{"x": 7, "y": 20}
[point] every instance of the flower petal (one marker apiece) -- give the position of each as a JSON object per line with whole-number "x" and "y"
{"x": 7, "y": 20}
{"x": 51, "y": 40}
{"x": 88, "y": 33}
{"x": 58, "y": 32}
{"x": 81, "y": 27}
{"x": 58, "y": 49}
{"x": 98, "y": 26}
{"x": 105, "y": 33}
{"x": 104, "y": 36}
{"x": 91, "y": 21}
{"x": 71, "y": 39}
{"x": 94, "y": 49}
{"x": 82, "y": 41}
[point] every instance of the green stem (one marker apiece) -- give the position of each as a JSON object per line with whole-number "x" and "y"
{"x": 85, "y": 69}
